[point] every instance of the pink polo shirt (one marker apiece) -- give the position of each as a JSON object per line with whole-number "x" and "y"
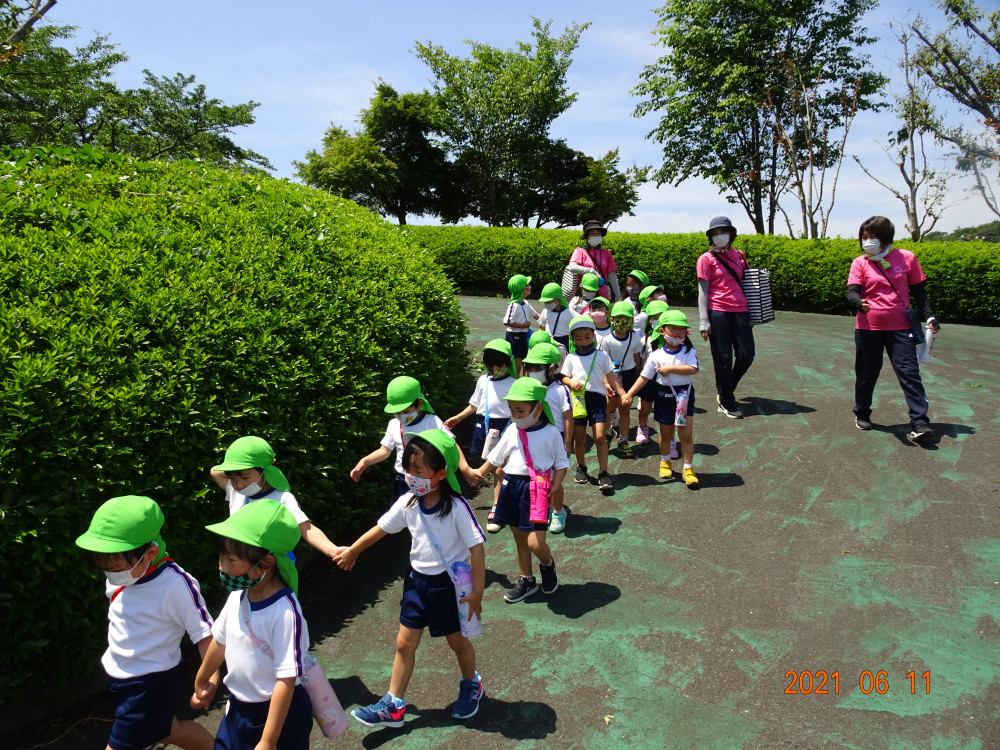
{"x": 600, "y": 260}
{"x": 724, "y": 292}
{"x": 888, "y": 306}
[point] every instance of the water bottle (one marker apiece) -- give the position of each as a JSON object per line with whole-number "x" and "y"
{"x": 461, "y": 576}
{"x": 325, "y": 705}
{"x": 680, "y": 416}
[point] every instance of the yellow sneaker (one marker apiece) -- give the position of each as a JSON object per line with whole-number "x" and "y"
{"x": 665, "y": 471}
{"x": 689, "y": 477}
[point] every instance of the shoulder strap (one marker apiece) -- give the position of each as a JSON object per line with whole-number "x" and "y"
{"x": 527, "y": 453}
{"x": 722, "y": 260}
{"x": 486, "y": 404}
{"x": 878, "y": 267}
{"x": 434, "y": 543}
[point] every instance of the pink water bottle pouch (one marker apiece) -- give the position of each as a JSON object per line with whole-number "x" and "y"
{"x": 539, "y": 488}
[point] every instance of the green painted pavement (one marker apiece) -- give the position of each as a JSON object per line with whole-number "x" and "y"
{"x": 811, "y": 546}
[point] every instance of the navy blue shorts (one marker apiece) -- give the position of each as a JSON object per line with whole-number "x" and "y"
{"x": 479, "y": 434}
{"x": 648, "y": 392}
{"x": 399, "y": 488}
{"x": 243, "y": 724}
{"x": 429, "y": 602}
{"x": 564, "y": 340}
{"x": 628, "y": 377}
{"x": 514, "y": 504}
{"x": 597, "y": 408}
{"x": 665, "y": 405}
{"x": 518, "y": 344}
{"x": 144, "y": 708}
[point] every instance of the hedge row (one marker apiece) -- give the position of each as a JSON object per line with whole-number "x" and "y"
{"x": 150, "y": 314}
{"x": 807, "y": 275}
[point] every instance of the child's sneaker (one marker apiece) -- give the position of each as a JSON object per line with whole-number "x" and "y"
{"x": 689, "y": 478}
{"x": 550, "y": 579}
{"x": 673, "y": 450}
{"x": 557, "y": 524}
{"x": 642, "y": 435}
{"x": 524, "y": 588}
{"x": 665, "y": 471}
{"x": 470, "y": 692}
{"x": 604, "y": 481}
{"x": 385, "y": 713}
{"x": 491, "y": 525}
{"x": 581, "y": 474}
{"x": 625, "y": 449}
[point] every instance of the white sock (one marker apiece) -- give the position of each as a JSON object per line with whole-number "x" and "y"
{"x": 665, "y": 458}
{"x": 400, "y": 702}
{"x": 688, "y": 466}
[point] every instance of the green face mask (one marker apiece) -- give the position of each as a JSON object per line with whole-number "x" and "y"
{"x": 240, "y": 582}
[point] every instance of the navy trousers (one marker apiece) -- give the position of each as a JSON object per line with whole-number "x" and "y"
{"x": 902, "y": 351}
{"x": 732, "y": 344}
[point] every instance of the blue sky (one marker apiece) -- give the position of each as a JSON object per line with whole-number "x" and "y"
{"x": 310, "y": 63}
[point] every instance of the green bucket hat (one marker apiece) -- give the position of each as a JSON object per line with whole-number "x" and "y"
{"x": 250, "y": 452}
{"x": 582, "y": 321}
{"x": 641, "y": 275}
{"x": 599, "y": 301}
{"x": 124, "y": 523}
{"x": 445, "y": 445}
{"x": 503, "y": 346}
{"x": 673, "y": 318}
{"x": 269, "y": 524}
{"x": 591, "y": 282}
{"x": 529, "y": 389}
{"x": 645, "y": 294}
{"x": 539, "y": 337}
{"x": 622, "y": 309}
{"x": 656, "y": 307}
{"x": 552, "y": 292}
{"x": 401, "y": 393}
{"x": 516, "y": 286}
{"x": 543, "y": 354}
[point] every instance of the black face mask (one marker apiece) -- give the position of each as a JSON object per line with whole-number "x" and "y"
{"x": 585, "y": 350}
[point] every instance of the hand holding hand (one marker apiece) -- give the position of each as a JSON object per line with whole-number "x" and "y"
{"x": 202, "y": 696}
{"x": 347, "y": 558}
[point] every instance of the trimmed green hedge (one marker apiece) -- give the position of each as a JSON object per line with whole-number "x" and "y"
{"x": 807, "y": 275}
{"x": 150, "y": 314}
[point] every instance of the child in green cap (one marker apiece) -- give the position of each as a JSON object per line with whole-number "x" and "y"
{"x": 555, "y": 317}
{"x": 672, "y": 368}
{"x": 153, "y": 603}
{"x": 634, "y": 283}
{"x": 589, "y": 284}
{"x": 492, "y": 412}
{"x": 542, "y": 364}
{"x": 260, "y": 634}
{"x": 653, "y": 309}
{"x": 590, "y": 375}
{"x": 534, "y": 447}
{"x": 600, "y": 312}
{"x": 544, "y": 337}
{"x": 624, "y": 346}
{"x": 518, "y": 317}
{"x": 444, "y": 534}
{"x": 248, "y": 474}
{"x": 410, "y": 412}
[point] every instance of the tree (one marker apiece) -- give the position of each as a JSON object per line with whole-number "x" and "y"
{"x": 392, "y": 165}
{"x": 925, "y": 188}
{"x": 500, "y": 106}
{"x": 50, "y": 95}
{"x": 969, "y": 72}
{"x": 16, "y": 21}
{"x": 736, "y": 84}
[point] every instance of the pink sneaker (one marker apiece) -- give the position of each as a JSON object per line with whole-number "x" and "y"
{"x": 673, "y": 449}
{"x": 642, "y": 435}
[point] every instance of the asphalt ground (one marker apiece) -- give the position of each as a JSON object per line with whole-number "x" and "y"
{"x": 824, "y": 588}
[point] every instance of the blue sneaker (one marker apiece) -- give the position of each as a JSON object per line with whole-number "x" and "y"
{"x": 385, "y": 713}
{"x": 470, "y": 692}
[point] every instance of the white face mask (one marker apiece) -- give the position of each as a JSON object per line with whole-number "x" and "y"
{"x": 673, "y": 340}
{"x": 252, "y": 489}
{"x": 539, "y": 376}
{"x": 589, "y": 295}
{"x": 549, "y": 305}
{"x": 720, "y": 240}
{"x": 871, "y": 246}
{"x": 125, "y": 577}
{"x": 408, "y": 418}
{"x": 525, "y": 422}
{"x": 594, "y": 241}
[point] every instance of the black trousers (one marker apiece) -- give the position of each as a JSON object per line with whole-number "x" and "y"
{"x": 902, "y": 351}
{"x": 731, "y": 335}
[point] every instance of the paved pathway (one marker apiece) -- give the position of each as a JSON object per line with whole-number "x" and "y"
{"x": 815, "y": 558}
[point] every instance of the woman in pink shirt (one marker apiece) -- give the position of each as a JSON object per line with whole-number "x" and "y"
{"x": 882, "y": 282}
{"x": 594, "y": 258}
{"x": 725, "y": 319}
